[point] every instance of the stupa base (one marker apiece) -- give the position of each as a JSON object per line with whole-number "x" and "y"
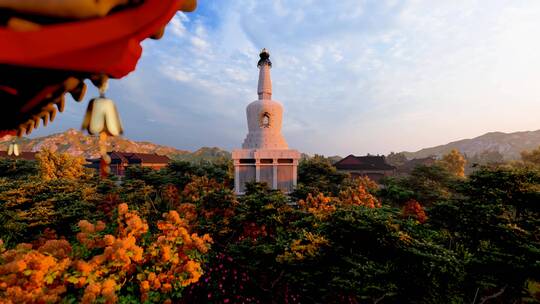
{"x": 277, "y": 168}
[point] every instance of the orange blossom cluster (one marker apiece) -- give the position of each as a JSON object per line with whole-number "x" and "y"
{"x": 166, "y": 262}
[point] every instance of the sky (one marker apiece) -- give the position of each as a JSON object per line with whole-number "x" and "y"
{"x": 354, "y": 77}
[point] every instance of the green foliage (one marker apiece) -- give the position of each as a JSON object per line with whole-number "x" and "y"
{"x": 27, "y": 207}
{"x": 426, "y": 184}
{"x": 374, "y": 254}
{"x": 215, "y": 208}
{"x": 141, "y": 197}
{"x": 496, "y": 222}
{"x": 395, "y": 191}
{"x": 17, "y": 168}
{"x": 179, "y": 173}
{"x": 359, "y": 254}
{"x": 517, "y": 188}
{"x": 481, "y": 238}
{"x": 317, "y": 174}
{"x": 146, "y": 174}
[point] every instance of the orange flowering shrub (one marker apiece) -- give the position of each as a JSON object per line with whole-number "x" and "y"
{"x": 415, "y": 210}
{"x": 360, "y": 194}
{"x": 102, "y": 274}
{"x": 172, "y": 262}
{"x": 367, "y": 183}
{"x": 320, "y": 205}
{"x": 89, "y": 235}
{"x": 30, "y": 275}
{"x": 46, "y": 235}
{"x": 163, "y": 264}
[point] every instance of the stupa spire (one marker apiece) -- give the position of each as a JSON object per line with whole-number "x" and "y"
{"x": 264, "y": 89}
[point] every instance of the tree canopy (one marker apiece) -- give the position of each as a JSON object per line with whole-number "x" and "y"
{"x": 454, "y": 162}
{"x": 429, "y": 237}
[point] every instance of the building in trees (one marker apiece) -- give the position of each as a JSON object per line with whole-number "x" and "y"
{"x": 265, "y": 155}
{"x": 121, "y": 160}
{"x": 23, "y": 155}
{"x": 373, "y": 166}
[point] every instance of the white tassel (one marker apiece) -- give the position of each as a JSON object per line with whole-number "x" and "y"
{"x": 13, "y": 149}
{"x": 102, "y": 116}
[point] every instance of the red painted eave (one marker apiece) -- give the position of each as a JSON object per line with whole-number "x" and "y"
{"x": 109, "y": 45}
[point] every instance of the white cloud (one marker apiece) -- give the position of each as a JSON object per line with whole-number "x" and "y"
{"x": 177, "y": 24}
{"x": 199, "y": 43}
{"x": 178, "y": 74}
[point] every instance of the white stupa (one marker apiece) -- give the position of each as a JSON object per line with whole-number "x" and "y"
{"x": 265, "y": 155}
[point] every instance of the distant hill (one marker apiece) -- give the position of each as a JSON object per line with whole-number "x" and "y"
{"x": 77, "y": 143}
{"x": 204, "y": 154}
{"x": 509, "y": 145}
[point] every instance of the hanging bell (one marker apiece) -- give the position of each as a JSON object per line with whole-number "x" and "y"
{"x": 13, "y": 149}
{"x": 102, "y": 116}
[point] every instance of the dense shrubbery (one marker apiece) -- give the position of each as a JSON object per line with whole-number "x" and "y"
{"x": 318, "y": 175}
{"x": 179, "y": 173}
{"x": 30, "y": 205}
{"x": 17, "y": 168}
{"x": 431, "y": 237}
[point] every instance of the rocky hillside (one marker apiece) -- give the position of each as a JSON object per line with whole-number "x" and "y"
{"x": 77, "y": 143}
{"x": 509, "y": 145}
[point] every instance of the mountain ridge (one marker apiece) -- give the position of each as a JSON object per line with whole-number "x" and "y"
{"x": 77, "y": 143}
{"x": 509, "y": 145}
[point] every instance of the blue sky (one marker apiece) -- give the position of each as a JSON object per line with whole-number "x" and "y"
{"x": 354, "y": 76}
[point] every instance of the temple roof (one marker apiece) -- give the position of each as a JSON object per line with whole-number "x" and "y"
{"x": 23, "y": 155}
{"x": 369, "y": 162}
{"x": 135, "y": 158}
